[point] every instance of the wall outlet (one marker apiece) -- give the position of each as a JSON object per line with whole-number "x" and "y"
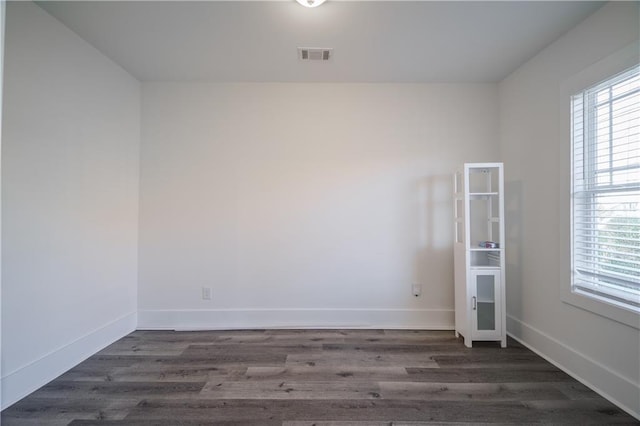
{"x": 416, "y": 290}
{"x": 206, "y": 293}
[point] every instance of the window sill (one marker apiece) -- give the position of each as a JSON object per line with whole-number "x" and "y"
{"x": 602, "y": 307}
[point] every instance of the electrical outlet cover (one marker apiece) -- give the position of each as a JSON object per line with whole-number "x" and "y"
{"x": 417, "y": 290}
{"x": 206, "y": 293}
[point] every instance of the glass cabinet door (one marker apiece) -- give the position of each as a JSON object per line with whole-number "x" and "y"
{"x": 485, "y": 303}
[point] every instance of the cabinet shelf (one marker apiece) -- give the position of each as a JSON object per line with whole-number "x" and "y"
{"x": 482, "y": 194}
{"x": 485, "y": 268}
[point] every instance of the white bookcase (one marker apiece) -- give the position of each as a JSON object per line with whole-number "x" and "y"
{"x": 479, "y": 253}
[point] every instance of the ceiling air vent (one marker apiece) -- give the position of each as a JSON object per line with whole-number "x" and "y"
{"x": 314, "y": 53}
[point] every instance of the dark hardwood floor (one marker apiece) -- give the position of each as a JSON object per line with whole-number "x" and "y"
{"x": 311, "y": 377}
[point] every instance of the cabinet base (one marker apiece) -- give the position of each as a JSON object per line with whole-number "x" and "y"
{"x": 468, "y": 342}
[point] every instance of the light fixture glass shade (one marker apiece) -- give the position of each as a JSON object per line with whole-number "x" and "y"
{"x": 310, "y": 3}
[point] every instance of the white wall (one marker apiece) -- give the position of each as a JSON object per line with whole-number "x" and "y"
{"x": 3, "y": 10}
{"x": 601, "y": 352}
{"x": 70, "y": 147}
{"x": 304, "y": 204}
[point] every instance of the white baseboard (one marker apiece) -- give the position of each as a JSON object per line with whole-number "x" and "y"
{"x": 611, "y": 385}
{"x": 21, "y": 382}
{"x": 435, "y": 319}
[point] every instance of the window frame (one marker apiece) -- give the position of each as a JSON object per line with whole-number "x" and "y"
{"x": 591, "y": 76}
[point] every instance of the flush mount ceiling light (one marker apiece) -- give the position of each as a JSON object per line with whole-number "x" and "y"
{"x": 310, "y": 3}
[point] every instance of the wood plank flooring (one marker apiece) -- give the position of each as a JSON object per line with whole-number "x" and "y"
{"x": 311, "y": 377}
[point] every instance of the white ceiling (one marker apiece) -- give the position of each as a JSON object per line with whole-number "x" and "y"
{"x": 372, "y": 41}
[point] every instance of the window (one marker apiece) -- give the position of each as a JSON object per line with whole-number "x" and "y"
{"x": 605, "y": 127}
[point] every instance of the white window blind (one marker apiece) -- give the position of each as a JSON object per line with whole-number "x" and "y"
{"x": 606, "y": 190}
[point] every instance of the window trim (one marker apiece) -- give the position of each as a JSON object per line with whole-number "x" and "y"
{"x": 602, "y": 70}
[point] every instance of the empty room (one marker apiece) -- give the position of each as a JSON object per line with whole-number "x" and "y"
{"x": 309, "y": 212}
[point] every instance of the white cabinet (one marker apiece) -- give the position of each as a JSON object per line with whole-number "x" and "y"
{"x": 479, "y": 253}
